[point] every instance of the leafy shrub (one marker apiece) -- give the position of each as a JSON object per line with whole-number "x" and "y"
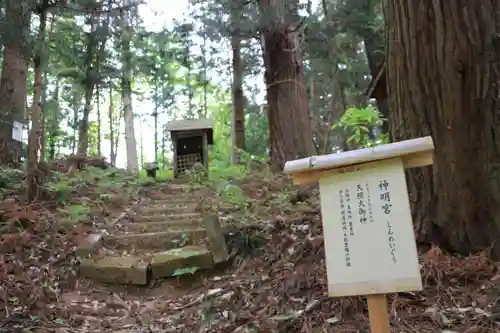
{"x": 359, "y": 124}
{"x": 11, "y": 180}
{"x": 78, "y": 213}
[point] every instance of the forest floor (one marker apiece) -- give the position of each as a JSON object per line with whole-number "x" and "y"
{"x": 276, "y": 283}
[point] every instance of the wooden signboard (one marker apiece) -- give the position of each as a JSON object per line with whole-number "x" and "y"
{"x": 369, "y": 240}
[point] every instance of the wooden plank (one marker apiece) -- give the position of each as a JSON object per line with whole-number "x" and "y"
{"x": 205, "y": 151}
{"x": 216, "y": 240}
{"x": 189, "y": 134}
{"x": 174, "y": 158}
{"x": 311, "y": 176}
{"x": 378, "y": 313}
{"x": 189, "y": 124}
{"x": 381, "y": 152}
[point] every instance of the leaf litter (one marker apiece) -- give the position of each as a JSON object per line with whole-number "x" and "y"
{"x": 275, "y": 283}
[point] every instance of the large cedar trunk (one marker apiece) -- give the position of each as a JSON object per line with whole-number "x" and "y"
{"x": 14, "y": 80}
{"x": 443, "y": 75}
{"x": 290, "y": 133}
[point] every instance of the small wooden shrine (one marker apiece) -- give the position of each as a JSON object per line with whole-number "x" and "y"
{"x": 190, "y": 141}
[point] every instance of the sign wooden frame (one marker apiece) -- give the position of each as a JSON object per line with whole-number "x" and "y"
{"x": 361, "y": 166}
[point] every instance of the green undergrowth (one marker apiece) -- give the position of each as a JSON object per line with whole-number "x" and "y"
{"x": 94, "y": 192}
{"x": 161, "y": 176}
{"x": 96, "y": 181}
{"x": 249, "y": 192}
{"x": 11, "y": 182}
{"x": 249, "y": 189}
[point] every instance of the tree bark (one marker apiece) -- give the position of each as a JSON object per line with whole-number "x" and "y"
{"x": 99, "y": 124}
{"x": 126, "y": 85}
{"x": 374, "y": 42}
{"x": 76, "y": 110}
{"x": 155, "y": 118}
{"x": 238, "y": 127}
{"x": 14, "y": 79}
{"x": 83, "y": 130}
{"x": 290, "y": 133}
{"x": 112, "y": 154}
{"x": 443, "y": 72}
{"x": 34, "y": 178}
{"x": 52, "y": 122}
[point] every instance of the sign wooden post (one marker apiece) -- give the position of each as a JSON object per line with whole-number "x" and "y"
{"x": 370, "y": 245}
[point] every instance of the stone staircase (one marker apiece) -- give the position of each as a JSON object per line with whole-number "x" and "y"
{"x": 167, "y": 234}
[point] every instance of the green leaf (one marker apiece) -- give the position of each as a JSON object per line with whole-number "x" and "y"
{"x": 185, "y": 271}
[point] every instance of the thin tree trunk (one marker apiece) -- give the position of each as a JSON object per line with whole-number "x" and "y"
{"x": 205, "y": 69}
{"x": 130, "y": 141}
{"x": 76, "y": 109}
{"x": 141, "y": 143}
{"x": 238, "y": 133}
{"x": 44, "y": 95}
{"x": 155, "y": 115}
{"x": 98, "y": 102}
{"x": 338, "y": 100}
{"x": 374, "y": 46}
{"x": 118, "y": 122}
{"x": 53, "y": 123}
{"x": 43, "y": 113}
{"x": 112, "y": 157}
{"x": 163, "y": 150}
{"x": 100, "y": 58}
{"x": 34, "y": 178}
{"x": 83, "y": 132}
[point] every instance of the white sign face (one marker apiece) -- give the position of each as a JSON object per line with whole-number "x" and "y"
{"x": 17, "y": 131}
{"x": 368, "y": 231}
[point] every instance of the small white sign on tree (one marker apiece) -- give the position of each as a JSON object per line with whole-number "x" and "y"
{"x": 367, "y": 225}
{"x": 18, "y": 131}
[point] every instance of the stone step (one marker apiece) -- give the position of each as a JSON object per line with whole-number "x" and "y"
{"x": 149, "y": 227}
{"x": 166, "y": 263}
{"x": 176, "y": 195}
{"x": 155, "y": 240}
{"x": 180, "y": 190}
{"x": 183, "y": 186}
{"x": 139, "y": 270}
{"x": 182, "y": 202}
{"x": 178, "y": 199}
{"x": 155, "y": 210}
{"x": 166, "y": 217}
{"x": 109, "y": 269}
